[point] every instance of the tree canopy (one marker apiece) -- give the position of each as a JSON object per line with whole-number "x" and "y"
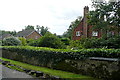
{"x": 42, "y": 30}
{"x": 106, "y": 16}
{"x": 29, "y": 27}
{"x": 69, "y": 32}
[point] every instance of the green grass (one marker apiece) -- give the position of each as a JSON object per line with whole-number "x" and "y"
{"x": 15, "y": 68}
{"x": 61, "y": 74}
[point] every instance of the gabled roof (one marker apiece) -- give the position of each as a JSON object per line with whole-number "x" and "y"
{"x": 2, "y": 36}
{"x": 24, "y": 33}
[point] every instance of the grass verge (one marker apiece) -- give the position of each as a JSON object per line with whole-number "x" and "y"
{"x": 59, "y": 73}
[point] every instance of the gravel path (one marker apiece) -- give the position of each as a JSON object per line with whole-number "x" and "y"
{"x": 9, "y": 73}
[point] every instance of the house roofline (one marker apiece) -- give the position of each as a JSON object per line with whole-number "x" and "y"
{"x": 32, "y": 32}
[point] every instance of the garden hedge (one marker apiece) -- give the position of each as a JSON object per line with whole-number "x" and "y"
{"x": 65, "y": 53}
{"x": 56, "y": 58}
{"x": 43, "y": 56}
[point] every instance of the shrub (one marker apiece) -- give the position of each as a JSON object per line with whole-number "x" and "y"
{"x": 113, "y": 42}
{"x": 33, "y": 43}
{"x": 66, "y": 41}
{"x": 48, "y": 40}
{"x": 75, "y": 45}
{"x": 0, "y": 42}
{"x": 23, "y": 41}
{"x": 11, "y": 41}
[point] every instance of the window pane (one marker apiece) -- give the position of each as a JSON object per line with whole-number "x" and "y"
{"x": 94, "y": 33}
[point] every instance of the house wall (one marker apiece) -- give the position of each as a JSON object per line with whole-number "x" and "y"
{"x": 79, "y": 28}
{"x": 89, "y": 32}
{"x": 33, "y": 35}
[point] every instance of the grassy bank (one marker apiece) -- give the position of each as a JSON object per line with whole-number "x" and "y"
{"x": 61, "y": 74}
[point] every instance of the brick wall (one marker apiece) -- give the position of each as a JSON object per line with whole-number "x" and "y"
{"x": 33, "y": 35}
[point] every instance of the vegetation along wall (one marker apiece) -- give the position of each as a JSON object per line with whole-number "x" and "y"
{"x": 77, "y": 61}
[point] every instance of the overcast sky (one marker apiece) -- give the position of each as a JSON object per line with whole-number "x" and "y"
{"x": 54, "y": 14}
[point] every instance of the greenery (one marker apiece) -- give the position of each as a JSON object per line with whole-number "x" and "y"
{"x": 23, "y": 41}
{"x": 29, "y": 27}
{"x": 61, "y": 74}
{"x": 74, "y": 24}
{"x": 11, "y": 41}
{"x": 48, "y": 40}
{"x": 66, "y": 41}
{"x": 62, "y": 53}
{"x": 42, "y": 30}
{"x": 7, "y": 32}
{"x": 112, "y": 42}
{"x": 105, "y": 17}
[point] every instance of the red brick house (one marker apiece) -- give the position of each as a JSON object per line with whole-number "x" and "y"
{"x": 83, "y": 29}
{"x": 29, "y": 34}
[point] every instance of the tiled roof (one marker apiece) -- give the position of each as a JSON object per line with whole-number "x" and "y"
{"x": 24, "y": 33}
{"x": 2, "y": 36}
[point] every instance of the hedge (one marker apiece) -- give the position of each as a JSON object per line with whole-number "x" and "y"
{"x": 43, "y": 56}
{"x": 56, "y": 58}
{"x": 65, "y": 53}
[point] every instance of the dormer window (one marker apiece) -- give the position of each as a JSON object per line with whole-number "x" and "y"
{"x": 78, "y": 33}
{"x": 95, "y": 33}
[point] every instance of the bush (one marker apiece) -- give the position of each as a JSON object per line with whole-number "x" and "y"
{"x": 75, "y": 45}
{"x": 11, "y": 41}
{"x": 113, "y": 42}
{"x": 33, "y": 43}
{"x": 23, "y": 41}
{"x": 66, "y": 41}
{"x": 0, "y": 42}
{"x": 48, "y": 40}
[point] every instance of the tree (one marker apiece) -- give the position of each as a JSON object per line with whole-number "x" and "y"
{"x": 8, "y": 32}
{"x": 11, "y": 41}
{"x": 13, "y": 33}
{"x": 49, "y": 40}
{"x": 105, "y": 16}
{"x": 42, "y": 30}
{"x": 29, "y": 27}
{"x": 69, "y": 32}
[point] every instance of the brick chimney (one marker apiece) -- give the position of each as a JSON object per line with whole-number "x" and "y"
{"x": 85, "y": 25}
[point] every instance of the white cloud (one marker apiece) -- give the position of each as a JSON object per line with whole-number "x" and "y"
{"x": 55, "y": 14}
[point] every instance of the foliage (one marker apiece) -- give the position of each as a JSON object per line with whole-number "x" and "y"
{"x": 66, "y": 41}
{"x": 58, "y": 54}
{"x": 7, "y": 32}
{"x": 23, "y": 41}
{"x": 32, "y": 42}
{"x": 0, "y": 42}
{"x": 48, "y": 40}
{"x": 105, "y": 16}
{"x": 75, "y": 44}
{"x": 112, "y": 42}
{"x": 11, "y": 41}
{"x": 69, "y": 32}
{"x": 29, "y": 27}
{"x": 42, "y": 30}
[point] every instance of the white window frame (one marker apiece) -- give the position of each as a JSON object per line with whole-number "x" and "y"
{"x": 78, "y": 33}
{"x": 36, "y": 37}
{"x": 94, "y": 33}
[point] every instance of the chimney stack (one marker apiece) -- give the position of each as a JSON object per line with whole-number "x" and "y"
{"x": 85, "y": 25}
